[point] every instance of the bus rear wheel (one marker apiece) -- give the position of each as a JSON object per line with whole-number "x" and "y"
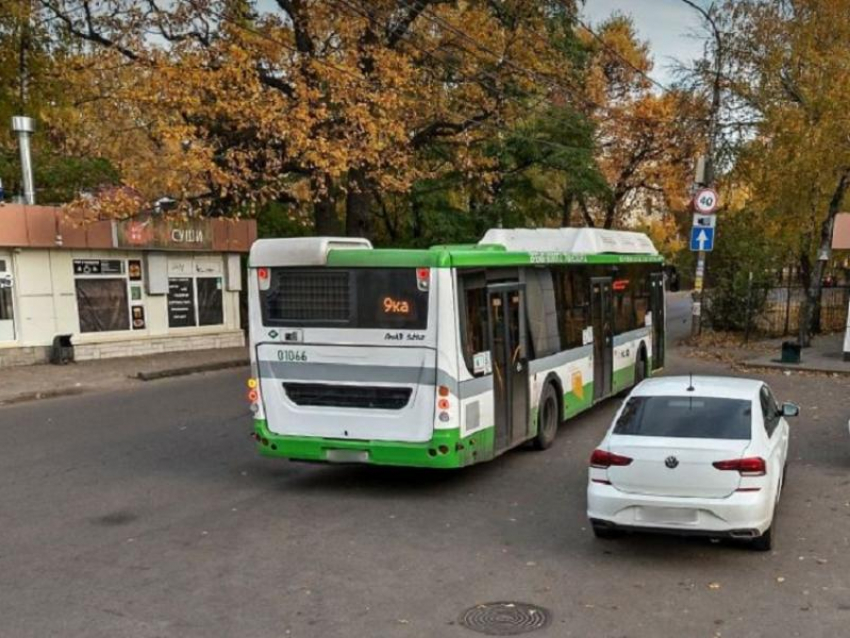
{"x": 640, "y": 368}
{"x": 548, "y": 419}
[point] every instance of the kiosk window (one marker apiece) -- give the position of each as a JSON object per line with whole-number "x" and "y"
{"x": 102, "y": 304}
{"x": 210, "y": 308}
{"x": 195, "y": 301}
{"x": 6, "y": 304}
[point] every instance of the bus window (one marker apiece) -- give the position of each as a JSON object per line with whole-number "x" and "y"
{"x": 382, "y": 298}
{"x": 640, "y": 294}
{"x": 624, "y": 312}
{"x": 573, "y": 303}
{"x": 542, "y": 313}
{"x": 474, "y": 335}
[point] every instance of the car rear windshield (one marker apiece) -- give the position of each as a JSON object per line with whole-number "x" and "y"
{"x": 686, "y": 417}
{"x": 384, "y": 298}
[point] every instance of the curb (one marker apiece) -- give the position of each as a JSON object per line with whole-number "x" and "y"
{"x": 26, "y": 397}
{"x": 181, "y": 372}
{"x": 47, "y": 394}
{"x": 765, "y": 365}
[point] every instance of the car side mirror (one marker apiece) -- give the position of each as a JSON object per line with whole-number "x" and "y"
{"x": 790, "y": 409}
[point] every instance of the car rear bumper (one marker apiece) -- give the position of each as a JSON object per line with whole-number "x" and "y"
{"x": 740, "y": 515}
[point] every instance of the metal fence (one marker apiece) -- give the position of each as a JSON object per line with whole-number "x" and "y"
{"x": 780, "y": 314}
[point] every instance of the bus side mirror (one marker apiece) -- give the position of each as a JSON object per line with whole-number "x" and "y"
{"x": 790, "y": 409}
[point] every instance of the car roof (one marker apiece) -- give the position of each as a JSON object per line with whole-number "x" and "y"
{"x": 704, "y": 386}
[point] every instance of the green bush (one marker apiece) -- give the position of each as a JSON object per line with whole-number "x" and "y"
{"x": 741, "y": 248}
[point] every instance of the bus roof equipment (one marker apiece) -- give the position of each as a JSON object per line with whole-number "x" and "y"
{"x": 301, "y": 251}
{"x": 583, "y": 241}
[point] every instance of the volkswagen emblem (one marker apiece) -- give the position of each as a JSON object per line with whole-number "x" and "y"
{"x": 672, "y": 462}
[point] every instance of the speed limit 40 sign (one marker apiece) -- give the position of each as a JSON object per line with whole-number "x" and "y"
{"x": 705, "y": 201}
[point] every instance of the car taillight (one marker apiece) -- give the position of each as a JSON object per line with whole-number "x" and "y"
{"x": 602, "y": 459}
{"x": 751, "y": 466}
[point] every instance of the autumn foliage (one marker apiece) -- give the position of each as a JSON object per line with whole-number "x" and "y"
{"x": 384, "y": 118}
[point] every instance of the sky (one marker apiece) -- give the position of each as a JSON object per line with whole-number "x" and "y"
{"x": 668, "y": 25}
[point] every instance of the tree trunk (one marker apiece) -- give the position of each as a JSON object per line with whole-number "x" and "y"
{"x": 610, "y": 214}
{"x": 325, "y": 219}
{"x": 567, "y": 209}
{"x": 416, "y": 209}
{"x": 358, "y": 201}
{"x": 384, "y": 212}
{"x": 815, "y": 279}
{"x": 805, "y": 318}
{"x": 588, "y": 218}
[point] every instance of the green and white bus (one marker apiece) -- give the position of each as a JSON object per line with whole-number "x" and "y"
{"x": 449, "y": 356}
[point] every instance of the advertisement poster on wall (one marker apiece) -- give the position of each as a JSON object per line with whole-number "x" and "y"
{"x": 134, "y": 269}
{"x": 138, "y": 317}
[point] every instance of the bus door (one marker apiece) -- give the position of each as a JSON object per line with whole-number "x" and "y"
{"x": 602, "y": 317}
{"x": 506, "y": 303}
{"x": 656, "y": 306}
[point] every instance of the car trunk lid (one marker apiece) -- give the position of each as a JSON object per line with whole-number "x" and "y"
{"x": 675, "y": 467}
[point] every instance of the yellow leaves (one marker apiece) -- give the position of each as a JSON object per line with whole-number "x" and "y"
{"x": 793, "y": 72}
{"x": 253, "y": 114}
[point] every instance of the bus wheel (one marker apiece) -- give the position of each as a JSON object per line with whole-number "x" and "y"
{"x": 640, "y": 368}
{"x": 548, "y": 417}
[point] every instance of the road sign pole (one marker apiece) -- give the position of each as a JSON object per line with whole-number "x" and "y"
{"x": 702, "y": 240}
{"x": 696, "y": 310}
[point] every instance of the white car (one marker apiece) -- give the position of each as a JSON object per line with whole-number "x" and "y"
{"x": 694, "y": 456}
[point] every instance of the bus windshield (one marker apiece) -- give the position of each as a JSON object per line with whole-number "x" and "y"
{"x": 377, "y": 298}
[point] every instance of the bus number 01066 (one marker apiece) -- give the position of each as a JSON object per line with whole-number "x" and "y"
{"x": 291, "y": 355}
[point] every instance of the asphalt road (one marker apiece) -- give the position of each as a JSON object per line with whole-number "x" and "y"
{"x": 146, "y": 513}
{"x": 678, "y": 316}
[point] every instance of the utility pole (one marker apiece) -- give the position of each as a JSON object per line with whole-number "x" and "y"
{"x": 707, "y": 176}
{"x": 22, "y": 125}
{"x": 25, "y": 127}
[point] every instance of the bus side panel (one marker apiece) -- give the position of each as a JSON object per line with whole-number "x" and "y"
{"x": 255, "y": 324}
{"x": 574, "y": 371}
{"x": 447, "y": 352}
{"x": 475, "y": 393}
{"x": 626, "y": 349}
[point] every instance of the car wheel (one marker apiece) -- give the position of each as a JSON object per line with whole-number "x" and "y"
{"x": 548, "y": 418}
{"x": 604, "y": 532}
{"x": 764, "y": 543}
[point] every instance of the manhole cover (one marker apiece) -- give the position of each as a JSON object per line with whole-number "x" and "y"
{"x": 505, "y": 619}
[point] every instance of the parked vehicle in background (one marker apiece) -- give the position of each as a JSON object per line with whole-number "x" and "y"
{"x": 449, "y": 356}
{"x": 693, "y": 456}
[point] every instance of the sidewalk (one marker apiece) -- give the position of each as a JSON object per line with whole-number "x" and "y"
{"x": 27, "y": 383}
{"x": 826, "y": 355}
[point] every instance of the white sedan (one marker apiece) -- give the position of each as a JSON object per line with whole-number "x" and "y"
{"x": 694, "y": 456}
